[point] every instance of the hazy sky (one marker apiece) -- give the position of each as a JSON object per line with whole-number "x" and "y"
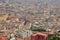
{"x": 55, "y": 2}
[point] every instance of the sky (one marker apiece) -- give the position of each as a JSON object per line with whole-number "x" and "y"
{"x": 55, "y": 2}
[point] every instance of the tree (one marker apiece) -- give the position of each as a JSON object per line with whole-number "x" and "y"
{"x": 53, "y": 38}
{"x": 39, "y": 29}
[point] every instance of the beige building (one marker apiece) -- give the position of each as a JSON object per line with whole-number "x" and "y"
{"x": 3, "y": 17}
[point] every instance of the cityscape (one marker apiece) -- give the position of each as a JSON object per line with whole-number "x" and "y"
{"x": 29, "y": 19}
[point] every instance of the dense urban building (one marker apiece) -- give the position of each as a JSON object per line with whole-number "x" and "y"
{"x": 29, "y": 19}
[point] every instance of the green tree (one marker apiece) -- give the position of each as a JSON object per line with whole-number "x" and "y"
{"x": 53, "y": 38}
{"x": 39, "y": 30}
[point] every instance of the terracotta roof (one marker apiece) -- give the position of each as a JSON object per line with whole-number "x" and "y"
{"x": 40, "y": 33}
